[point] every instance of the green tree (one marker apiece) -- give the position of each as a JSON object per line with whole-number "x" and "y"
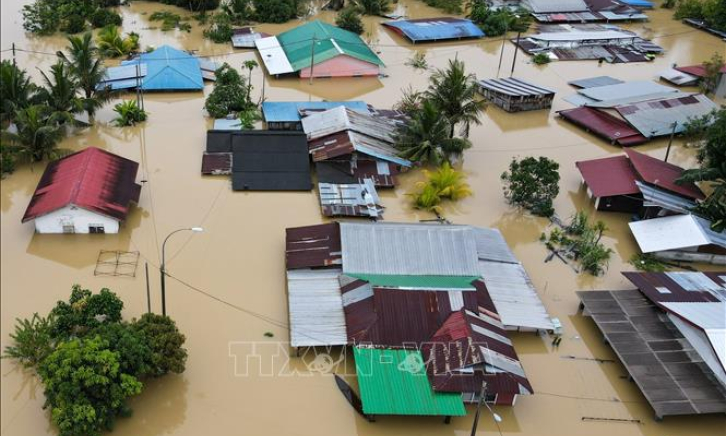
{"x": 85, "y": 388}
{"x": 448, "y": 182}
{"x": 275, "y": 11}
{"x": 36, "y": 136}
{"x": 134, "y": 353}
{"x": 454, "y": 94}
{"x": 85, "y": 311}
{"x": 229, "y": 93}
{"x": 16, "y": 90}
{"x": 411, "y": 101}
{"x": 104, "y": 17}
{"x": 498, "y": 22}
{"x": 349, "y": 19}
{"x": 712, "y": 77}
{"x": 129, "y": 113}
{"x": 426, "y": 139}
{"x": 165, "y": 342}
{"x": 59, "y": 93}
{"x": 532, "y": 183}
{"x": 112, "y": 44}
{"x": 372, "y": 7}
{"x": 448, "y": 6}
{"x": 83, "y": 63}
{"x": 250, "y": 65}
{"x": 33, "y": 341}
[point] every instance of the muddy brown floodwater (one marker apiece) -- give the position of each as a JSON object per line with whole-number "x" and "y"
{"x": 240, "y": 256}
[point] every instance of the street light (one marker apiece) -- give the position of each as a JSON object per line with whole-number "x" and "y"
{"x": 163, "y": 263}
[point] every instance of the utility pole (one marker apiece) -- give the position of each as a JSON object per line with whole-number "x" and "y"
{"x": 148, "y": 289}
{"x": 482, "y": 394}
{"x": 670, "y": 141}
{"x": 312, "y": 59}
{"x": 501, "y": 52}
{"x": 14, "y": 63}
{"x": 516, "y": 49}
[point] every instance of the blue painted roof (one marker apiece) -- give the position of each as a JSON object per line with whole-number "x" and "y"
{"x": 436, "y": 29}
{"x": 169, "y": 69}
{"x": 638, "y": 3}
{"x": 288, "y": 111}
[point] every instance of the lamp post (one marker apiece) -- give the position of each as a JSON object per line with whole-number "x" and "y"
{"x": 163, "y": 263}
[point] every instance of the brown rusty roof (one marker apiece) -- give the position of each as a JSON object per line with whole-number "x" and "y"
{"x": 216, "y": 163}
{"x": 313, "y": 246}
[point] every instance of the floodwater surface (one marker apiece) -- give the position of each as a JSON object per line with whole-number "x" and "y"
{"x": 239, "y": 258}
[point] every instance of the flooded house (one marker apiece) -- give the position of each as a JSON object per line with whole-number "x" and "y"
{"x": 435, "y": 29}
{"x": 90, "y": 191}
{"x": 582, "y": 11}
{"x": 618, "y": 183}
{"x": 692, "y": 75}
{"x": 393, "y": 287}
{"x": 516, "y": 95}
{"x": 670, "y": 335}
{"x": 350, "y": 199}
{"x": 318, "y": 49}
{"x": 164, "y": 69}
{"x": 680, "y": 238}
{"x": 287, "y": 115}
{"x": 245, "y": 37}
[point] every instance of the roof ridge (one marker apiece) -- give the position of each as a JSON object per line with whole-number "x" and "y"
{"x": 90, "y": 152}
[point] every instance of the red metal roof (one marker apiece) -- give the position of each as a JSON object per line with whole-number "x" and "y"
{"x": 661, "y": 288}
{"x": 216, "y": 163}
{"x": 604, "y": 125}
{"x": 609, "y": 176}
{"x": 696, "y": 70}
{"x": 92, "y": 179}
{"x": 662, "y": 174}
{"x": 313, "y": 246}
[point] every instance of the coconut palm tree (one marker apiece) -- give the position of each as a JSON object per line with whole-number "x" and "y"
{"x": 448, "y": 182}
{"x": 250, "y": 65}
{"x": 112, "y": 44}
{"x": 16, "y": 90}
{"x": 454, "y": 93}
{"x": 425, "y": 138}
{"x": 84, "y": 65}
{"x": 60, "y": 94}
{"x": 37, "y": 134}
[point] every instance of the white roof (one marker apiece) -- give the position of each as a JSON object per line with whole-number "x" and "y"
{"x": 678, "y": 77}
{"x": 668, "y": 233}
{"x": 273, "y": 56}
{"x": 582, "y": 35}
{"x": 316, "y": 308}
{"x": 709, "y": 317}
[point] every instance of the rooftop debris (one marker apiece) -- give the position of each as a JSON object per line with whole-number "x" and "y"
{"x": 350, "y": 199}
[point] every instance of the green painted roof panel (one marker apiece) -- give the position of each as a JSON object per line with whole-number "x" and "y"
{"x": 422, "y": 282}
{"x": 394, "y": 382}
{"x": 331, "y": 41}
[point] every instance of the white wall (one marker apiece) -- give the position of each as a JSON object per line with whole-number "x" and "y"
{"x": 80, "y": 218}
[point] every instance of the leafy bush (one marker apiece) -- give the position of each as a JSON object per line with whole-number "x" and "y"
{"x": 580, "y": 241}
{"x": 33, "y": 340}
{"x": 498, "y": 22}
{"x": 170, "y": 21}
{"x": 541, "y": 59}
{"x": 647, "y": 262}
{"x": 229, "y": 94}
{"x": 112, "y": 44}
{"x": 165, "y": 342}
{"x": 275, "y": 11}
{"x": 248, "y": 117}
{"x": 74, "y": 24}
{"x": 129, "y": 113}
{"x": 349, "y": 19}
{"x": 532, "y": 183}
{"x": 448, "y": 6}
{"x": 85, "y": 311}
{"x": 192, "y": 5}
{"x": 372, "y": 7}
{"x": 418, "y": 61}
{"x": 221, "y": 29}
{"x": 104, "y": 17}
{"x": 444, "y": 183}
{"x": 713, "y": 12}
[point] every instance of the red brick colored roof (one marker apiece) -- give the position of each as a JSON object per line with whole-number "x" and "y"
{"x": 696, "y": 70}
{"x": 662, "y": 174}
{"x": 604, "y": 125}
{"x": 92, "y": 179}
{"x": 609, "y": 176}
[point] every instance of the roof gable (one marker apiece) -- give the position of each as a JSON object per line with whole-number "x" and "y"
{"x": 662, "y": 174}
{"x": 171, "y": 69}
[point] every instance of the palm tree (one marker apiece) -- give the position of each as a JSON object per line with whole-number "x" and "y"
{"x": 425, "y": 138}
{"x": 59, "y": 94}
{"x": 448, "y": 183}
{"x": 111, "y": 43}
{"x": 84, "y": 65}
{"x": 250, "y": 65}
{"x": 37, "y": 134}
{"x": 454, "y": 93}
{"x": 16, "y": 90}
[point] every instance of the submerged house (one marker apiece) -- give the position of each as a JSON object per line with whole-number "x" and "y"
{"x": 579, "y": 11}
{"x": 680, "y": 237}
{"x": 670, "y": 334}
{"x": 164, "y": 69}
{"x": 617, "y": 183}
{"x": 90, "y": 191}
{"x": 692, "y": 75}
{"x": 516, "y": 95}
{"x": 395, "y": 287}
{"x": 287, "y": 115}
{"x": 435, "y": 29}
{"x": 245, "y": 37}
{"x": 318, "y": 49}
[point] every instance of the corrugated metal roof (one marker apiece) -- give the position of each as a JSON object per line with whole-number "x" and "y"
{"x": 169, "y": 69}
{"x": 593, "y": 82}
{"x": 677, "y": 286}
{"x": 662, "y": 174}
{"x": 273, "y": 56}
{"x": 123, "y": 77}
{"x": 514, "y": 296}
{"x": 435, "y": 29}
{"x": 354, "y": 199}
{"x": 226, "y": 124}
{"x": 609, "y": 176}
{"x": 604, "y": 125}
{"x": 656, "y": 117}
{"x": 289, "y": 111}
{"x": 514, "y": 87}
{"x": 638, "y": 3}
{"x": 678, "y": 78}
{"x": 216, "y": 163}
{"x": 674, "y": 233}
{"x": 617, "y": 16}
{"x": 316, "y": 308}
{"x": 353, "y": 170}
{"x": 490, "y": 245}
{"x": 339, "y": 119}
{"x": 595, "y": 35}
{"x": 348, "y": 141}
{"x": 312, "y": 246}
{"x": 408, "y": 249}
{"x": 545, "y": 6}
{"x": 638, "y": 90}
{"x": 654, "y": 197}
{"x": 245, "y": 37}
{"x": 424, "y": 282}
{"x": 92, "y": 179}
{"x": 710, "y": 345}
{"x": 697, "y": 70}
{"x": 394, "y": 382}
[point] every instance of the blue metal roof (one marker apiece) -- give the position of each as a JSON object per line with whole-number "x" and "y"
{"x": 169, "y": 69}
{"x": 436, "y": 29}
{"x": 288, "y": 111}
{"x": 638, "y": 3}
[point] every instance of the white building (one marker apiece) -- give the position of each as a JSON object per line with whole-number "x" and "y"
{"x": 87, "y": 192}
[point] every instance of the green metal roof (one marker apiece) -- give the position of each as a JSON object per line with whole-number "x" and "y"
{"x": 330, "y": 42}
{"x": 394, "y": 382}
{"x": 417, "y": 282}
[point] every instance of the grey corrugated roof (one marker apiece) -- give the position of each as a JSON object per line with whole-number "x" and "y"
{"x": 659, "y": 198}
{"x": 350, "y": 199}
{"x": 316, "y": 308}
{"x": 656, "y": 117}
{"x": 514, "y": 87}
{"x": 593, "y": 35}
{"x": 490, "y": 245}
{"x": 594, "y": 82}
{"x": 340, "y": 118}
{"x": 678, "y": 77}
{"x": 408, "y": 249}
{"x": 544, "y": 6}
{"x": 626, "y": 90}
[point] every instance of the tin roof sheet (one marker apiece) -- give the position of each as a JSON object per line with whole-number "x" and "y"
{"x": 348, "y": 141}
{"x": 394, "y": 382}
{"x": 545, "y": 6}
{"x": 662, "y": 174}
{"x": 123, "y": 77}
{"x": 289, "y": 111}
{"x": 273, "y": 56}
{"x": 436, "y": 29}
{"x": 216, "y": 163}
{"x": 491, "y": 246}
{"x": 312, "y": 246}
{"x": 227, "y": 124}
{"x": 657, "y": 117}
{"x": 679, "y": 286}
{"x": 637, "y": 90}
{"x": 678, "y": 78}
{"x": 697, "y": 70}
{"x": 169, "y": 69}
{"x": 246, "y": 37}
{"x": 604, "y": 125}
{"x": 595, "y": 35}
{"x": 593, "y": 82}
{"x": 316, "y": 308}
{"x": 92, "y": 179}
{"x": 609, "y": 176}
{"x": 515, "y": 87}
{"x": 674, "y": 233}
{"x": 655, "y": 197}
{"x": 339, "y": 119}
{"x": 353, "y": 199}
{"x": 352, "y": 170}
{"x": 418, "y": 282}
{"x": 408, "y": 249}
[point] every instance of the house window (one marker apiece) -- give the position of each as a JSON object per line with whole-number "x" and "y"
{"x": 69, "y": 228}
{"x": 96, "y": 228}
